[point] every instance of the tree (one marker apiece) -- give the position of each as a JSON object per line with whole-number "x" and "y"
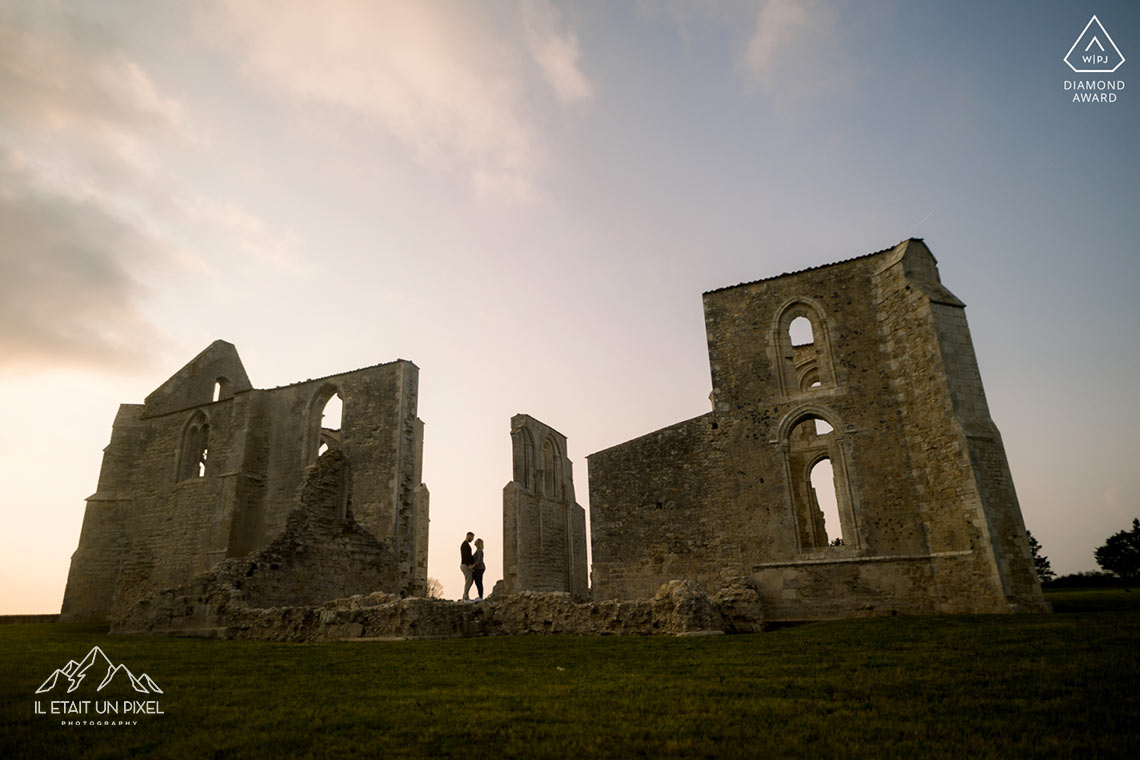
{"x": 1040, "y": 561}
{"x": 1121, "y": 553}
{"x": 434, "y": 589}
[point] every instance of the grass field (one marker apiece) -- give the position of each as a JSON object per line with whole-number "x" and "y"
{"x": 1060, "y": 685}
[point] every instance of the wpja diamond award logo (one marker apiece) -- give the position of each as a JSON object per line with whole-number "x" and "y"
{"x": 97, "y": 692}
{"x": 1094, "y": 52}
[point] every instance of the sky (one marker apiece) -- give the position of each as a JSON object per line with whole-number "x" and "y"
{"x": 527, "y": 200}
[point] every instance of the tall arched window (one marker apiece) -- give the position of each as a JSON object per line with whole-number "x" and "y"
{"x": 818, "y": 484}
{"x": 548, "y": 455}
{"x": 551, "y": 482}
{"x": 557, "y": 473}
{"x": 526, "y": 477}
{"x": 330, "y": 424}
{"x": 195, "y": 447}
{"x": 326, "y": 419}
{"x": 822, "y": 481}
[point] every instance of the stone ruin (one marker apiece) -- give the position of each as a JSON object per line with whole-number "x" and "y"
{"x": 312, "y": 582}
{"x": 885, "y": 388}
{"x": 219, "y": 515}
{"x": 209, "y": 469}
{"x": 322, "y": 554}
{"x": 544, "y": 529}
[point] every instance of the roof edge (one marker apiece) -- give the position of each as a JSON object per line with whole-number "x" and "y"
{"x": 812, "y": 269}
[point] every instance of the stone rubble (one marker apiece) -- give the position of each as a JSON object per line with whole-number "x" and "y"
{"x": 679, "y": 608}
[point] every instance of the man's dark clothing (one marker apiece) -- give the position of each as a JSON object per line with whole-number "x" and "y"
{"x": 466, "y": 561}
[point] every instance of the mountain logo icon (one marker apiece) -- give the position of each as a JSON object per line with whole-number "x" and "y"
{"x": 96, "y": 666}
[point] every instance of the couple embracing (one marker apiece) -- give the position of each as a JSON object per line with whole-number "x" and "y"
{"x": 471, "y": 563}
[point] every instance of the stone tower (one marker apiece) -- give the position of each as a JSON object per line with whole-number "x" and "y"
{"x": 883, "y": 386}
{"x": 544, "y": 530}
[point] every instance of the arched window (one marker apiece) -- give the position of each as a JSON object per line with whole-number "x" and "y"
{"x": 195, "y": 448}
{"x": 548, "y": 467}
{"x": 324, "y": 428}
{"x": 557, "y": 473}
{"x": 221, "y": 388}
{"x": 822, "y": 481}
{"x": 525, "y": 476}
{"x": 551, "y": 481}
{"x": 801, "y": 349}
{"x": 818, "y": 484}
{"x": 332, "y": 413}
{"x": 800, "y": 332}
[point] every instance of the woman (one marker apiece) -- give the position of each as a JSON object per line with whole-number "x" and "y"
{"x": 478, "y": 568}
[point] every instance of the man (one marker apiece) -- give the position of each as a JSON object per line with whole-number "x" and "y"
{"x": 466, "y": 564}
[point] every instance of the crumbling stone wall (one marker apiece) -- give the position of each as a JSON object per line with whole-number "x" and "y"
{"x": 189, "y": 480}
{"x": 678, "y": 608}
{"x": 544, "y": 529}
{"x": 323, "y": 554}
{"x": 928, "y": 517}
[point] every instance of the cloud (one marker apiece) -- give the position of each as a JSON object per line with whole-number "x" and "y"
{"x": 556, "y": 52}
{"x": 794, "y": 53}
{"x": 67, "y": 292}
{"x": 448, "y": 80}
{"x": 231, "y": 226}
{"x": 94, "y": 224}
{"x": 58, "y": 76}
{"x": 791, "y": 50}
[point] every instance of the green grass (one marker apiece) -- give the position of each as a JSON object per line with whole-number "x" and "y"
{"x": 1061, "y": 685}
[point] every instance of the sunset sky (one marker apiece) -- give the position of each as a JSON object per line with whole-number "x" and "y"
{"x": 527, "y": 200}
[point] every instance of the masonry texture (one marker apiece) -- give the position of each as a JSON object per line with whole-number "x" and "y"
{"x": 885, "y": 389}
{"x": 544, "y": 529}
{"x": 215, "y": 610}
{"x": 209, "y": 469}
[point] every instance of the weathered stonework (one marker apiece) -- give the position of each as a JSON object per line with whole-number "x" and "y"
{"x": 190, "y": 480}
{"x": 315, "y": 583}
{"x": 216, "y": 513}
{"x": 679, "y": 608}
{"x": 323, "y": 554}
{"x": 544, "y": 529}
{"x": 928, "y": 517}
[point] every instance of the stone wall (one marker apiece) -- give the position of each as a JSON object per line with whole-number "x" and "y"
{"x": 678, "y": 608}
{"x": 322, "y": 554}
{"x": 544, "y": 529}
{"x": 928, "y": 519}
{"x": 189, "y": 480}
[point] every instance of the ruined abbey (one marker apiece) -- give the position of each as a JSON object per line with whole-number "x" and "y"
{"x": 217, "y": 500}
{"x": 209, "y": 469}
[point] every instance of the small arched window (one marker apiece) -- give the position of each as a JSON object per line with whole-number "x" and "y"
{"x": 801, "y": 349}
{"x": 800, "y": 332}
{"x": 195, "y": 448}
